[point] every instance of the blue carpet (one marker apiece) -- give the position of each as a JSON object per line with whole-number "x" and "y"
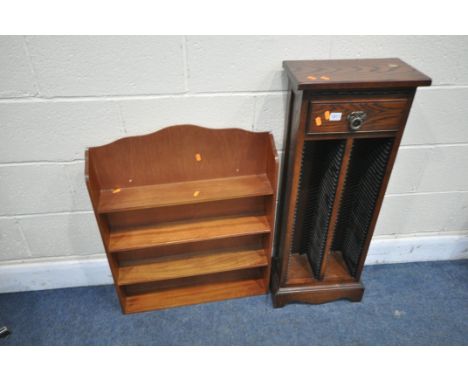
{"x": 404, "y": 304}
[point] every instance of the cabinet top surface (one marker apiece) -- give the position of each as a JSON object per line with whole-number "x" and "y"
{"x": 354, "y": 74}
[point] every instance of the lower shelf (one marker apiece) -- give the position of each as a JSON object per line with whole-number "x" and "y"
{"x": 300, "y": 272}
{"x": 191, "y": 265}
{"x": 197, "y": 294}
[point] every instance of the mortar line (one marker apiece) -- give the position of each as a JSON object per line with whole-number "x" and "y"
{"x": 254, "y": 114}
{"x": 40, "y": 162}
{"x": 48, "y": 259}
{"x": 434, "y": 145}
{"x": 28, "y": 247}
{"x": 185, "y": 60}
{"x": 122, "y": 120}
{"x": 45, "y": 214}
{"x": 460, "y": 233}
{"x": 135, "y": 97}
{"x": 31, "y": 67}
{"x": 422, "y": 193}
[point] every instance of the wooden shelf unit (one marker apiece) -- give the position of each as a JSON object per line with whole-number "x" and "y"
{"x": 186, "y": 214}
{"x": 346, "y": 120}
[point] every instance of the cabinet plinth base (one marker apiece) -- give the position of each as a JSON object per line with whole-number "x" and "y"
{"x": 318, "y": 294}
{"x": 302, "y": 287}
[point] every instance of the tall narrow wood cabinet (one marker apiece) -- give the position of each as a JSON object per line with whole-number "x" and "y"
{"x": 346, "y": 119}
{"x": 186, "y": 214}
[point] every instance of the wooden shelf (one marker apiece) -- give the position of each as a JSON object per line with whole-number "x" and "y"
{"x": 195, "y": 294}
{"x": 173, "y": 194}
{"x": 186, "y": 214}
{"x": 300, "y": 272}
{"x": 191, "y": 265}
{"x": 189, "y": 231}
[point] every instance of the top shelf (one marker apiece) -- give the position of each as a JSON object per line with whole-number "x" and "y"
{"x": 172, "y": 194}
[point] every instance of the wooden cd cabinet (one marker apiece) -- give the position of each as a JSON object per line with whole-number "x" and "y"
{"x": 186, "y": 214}
{"x": 345, "y": 123}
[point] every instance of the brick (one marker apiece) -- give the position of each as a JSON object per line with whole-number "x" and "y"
{"x": 11, "y": 241}
{"x": 50, "y": 130}
{"x": 433, "y": 169}
{"x": 443, "y": 58}
{"x": 16, "y": 78}
{"x": 246, "y": 63}
{"x": 423, "y": 213}
{"x": 148, "y": 115}
{"x": 27, "y": 189}
{"x": 270, "y": 113}
{"x": 437, "y": 116}
{"x": 107, "y": 65}
{"x": 62, "y": 235}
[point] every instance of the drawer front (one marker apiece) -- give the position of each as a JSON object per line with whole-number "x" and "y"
{"x": 349, "y": 116}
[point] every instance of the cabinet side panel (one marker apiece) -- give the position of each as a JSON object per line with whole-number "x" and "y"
{"x": 290, "y": 186}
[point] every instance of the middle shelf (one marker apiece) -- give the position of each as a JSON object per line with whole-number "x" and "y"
{"x": 187, "y": 231}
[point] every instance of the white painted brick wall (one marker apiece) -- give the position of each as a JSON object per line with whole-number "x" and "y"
{"x": 59, "y": 95}
{"x": 423, "y": 213}
{"x": 55, "y": 130}
{"x": 16, "y": 76}
{"x": 270, "y": 115}
{"x": 426, "y": 169}
{"x": 61, "y": 234}
{"x": 106, "y": 65}
{"x": 147, "y": 115}
{"x": 438, "y": 116}
{"x": 443, "y": 58}
{"x": 12, "y": 241}
{"x": 228, "y": 63}
{"x": 34, "y": 188}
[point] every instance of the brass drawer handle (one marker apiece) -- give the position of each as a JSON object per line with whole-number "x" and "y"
{"x": 356, "y": 119}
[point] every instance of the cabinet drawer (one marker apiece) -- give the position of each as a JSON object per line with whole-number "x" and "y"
{"x": 348, "y": 116}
